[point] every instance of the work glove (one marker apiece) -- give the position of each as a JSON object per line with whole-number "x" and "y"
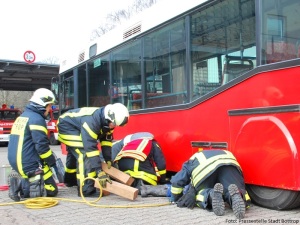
{"x": 108, "y": 164}
{"x": 103, "y": 178}
{"x": 188, "y": 200}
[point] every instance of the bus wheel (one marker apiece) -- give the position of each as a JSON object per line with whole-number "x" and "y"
{"x": 52, "y": 140}
{"x": 274, "y": 198}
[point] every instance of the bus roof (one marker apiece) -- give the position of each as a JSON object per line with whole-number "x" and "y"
{"x": 158, "y": 14}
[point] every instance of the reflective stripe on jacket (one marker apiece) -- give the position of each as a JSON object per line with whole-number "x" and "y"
{"x": 82, "y": 128}
{"x": 200, "y": 166}
{"x": 28, "y": 146}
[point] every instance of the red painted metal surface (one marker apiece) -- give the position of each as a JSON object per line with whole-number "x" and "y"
{"x": 267, "y": 146}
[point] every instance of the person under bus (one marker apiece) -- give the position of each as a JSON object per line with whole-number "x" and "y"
{"x": 29, "y": 153}
{"x": 80, "y": 129}
{"x": 214, "y": 176}
{"x": 140, "y": 156}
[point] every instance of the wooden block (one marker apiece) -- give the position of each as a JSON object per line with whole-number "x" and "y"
{"x": 118, "y": 174}
{"x": 120, "y": 189}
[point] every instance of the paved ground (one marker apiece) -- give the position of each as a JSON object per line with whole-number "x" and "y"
{"x": 116, "y": 210}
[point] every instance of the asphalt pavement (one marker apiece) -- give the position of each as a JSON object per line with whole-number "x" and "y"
{"x": 116, "y": 210}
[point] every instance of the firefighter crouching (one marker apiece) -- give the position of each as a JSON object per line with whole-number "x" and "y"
{"x": 80, "y": 129}
{"x": 214, "y": 177}
{"x": 29, "y": 153}
{"x": 140, "y": 156}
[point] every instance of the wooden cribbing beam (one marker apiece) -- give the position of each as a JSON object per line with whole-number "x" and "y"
{"x": 120, "y": 189}
{"x": 118, "y": 175}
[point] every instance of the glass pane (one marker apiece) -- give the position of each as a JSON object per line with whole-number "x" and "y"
{"x": 99, "y": 89}
{"x": 219, "y": 34}
{"x": 126, "y": 68}
{"x": 165, "y": 67}
{"x": 280, "y": 30}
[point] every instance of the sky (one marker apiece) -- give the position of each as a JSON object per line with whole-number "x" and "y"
{"x": 50, "y": 28}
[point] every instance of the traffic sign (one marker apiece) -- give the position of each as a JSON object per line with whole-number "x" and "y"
{"x": 29, "y": 57}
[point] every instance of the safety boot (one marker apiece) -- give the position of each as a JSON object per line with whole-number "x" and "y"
{"x": 218, "y": 204}
{"x": 237, "y": 202}
{"x": 154, "y": 191}
{"x": 14, "y": 188}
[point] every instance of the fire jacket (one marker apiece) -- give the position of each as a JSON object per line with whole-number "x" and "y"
{"x": 141, "y": 158}
{"x": 82, "y": 128}
{"x": 28, "y": 147}
{"x": 200, "y": 166}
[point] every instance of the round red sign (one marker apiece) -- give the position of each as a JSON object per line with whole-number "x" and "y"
{"x": 29, "y": 57}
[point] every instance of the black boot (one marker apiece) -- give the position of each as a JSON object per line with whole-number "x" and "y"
{"x": 14, "y": 188}
{"x": 218, "y": 204}
{"x": 237, "y": 202}
{"x": 155, "y": 191}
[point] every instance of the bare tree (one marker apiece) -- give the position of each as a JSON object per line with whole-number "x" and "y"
{"x": 113, "y": 19}
{"x": 18, "y": 99}
{"x": 51, "y": 60}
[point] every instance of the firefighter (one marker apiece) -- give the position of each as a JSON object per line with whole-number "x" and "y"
{"x": 80, "y": 129}
{"x": 214, "y": 176}
{"x": 29, "y": 153}
{"x": 140, "y": 156}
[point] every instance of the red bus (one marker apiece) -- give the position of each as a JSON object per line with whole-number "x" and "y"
{"x": 205, "y": 74}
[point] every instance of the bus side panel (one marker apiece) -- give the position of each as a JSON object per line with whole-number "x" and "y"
{"x": 266, "y": 150}
{"x": 209, "y": 120}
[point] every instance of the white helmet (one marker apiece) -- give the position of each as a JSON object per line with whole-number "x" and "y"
{"x": 43, "y": 97}
{"x": 116, "y": 113}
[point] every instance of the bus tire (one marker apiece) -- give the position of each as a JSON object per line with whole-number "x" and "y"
{"x": 274, "y": 198}
{"x": 52, "y": 139}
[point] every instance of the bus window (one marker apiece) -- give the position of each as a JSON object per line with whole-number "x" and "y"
{"x": 280, "y": 31}
{"x": 126, "y": 70}
{"x": 165, "y": 66}
{"x": 67, "y": 99}
{"x": 99, "y": 82}
{"x": 212, "y": 39}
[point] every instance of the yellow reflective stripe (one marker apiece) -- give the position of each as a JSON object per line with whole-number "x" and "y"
{"x": 106, "y": 143}
{"x": 176, "y": 190}
{"x": 47, "y": 173}
{"x": 92, "y": 174}
{"x": 142, "y": 146}
{"x": 136, "y": 165}
{"x": 80, "y": 175}
{"x": 150, "y": 178}
{"x": 47, "y": 154}
{"x": 200, "y": 198}
{"x": 38, "y": 127}
{"x": 18, "y": 129}
{"x": 85, "y": 111}
{"x": 49, "y": 187}
{"x": 93, "y": 153}
{"x": 247, "y": 197}
{"x": 71, "y": 143}
{"x": 70, "y": 137}
{"x": 161, "y": 172}
{"x": 208, "y": 165}
{"x": 89, "y": 130}
{"x": 70, "y": 170}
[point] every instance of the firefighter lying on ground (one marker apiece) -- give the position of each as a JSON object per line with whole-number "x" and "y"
{"x": 140, "y": 156}
{"x": 29, "y": 153}
{"x": 214, "y": 176}
{"x": 79, "y": 129}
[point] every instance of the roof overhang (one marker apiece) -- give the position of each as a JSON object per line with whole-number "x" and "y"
{"x": 21, "y": 76}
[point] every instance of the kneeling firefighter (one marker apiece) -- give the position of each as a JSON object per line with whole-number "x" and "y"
{"x": 140, "y": 156}
{"x": 29, "y": 153}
